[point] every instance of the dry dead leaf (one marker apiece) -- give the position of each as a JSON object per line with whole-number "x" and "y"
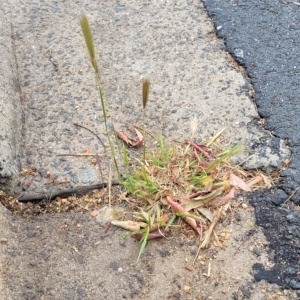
{"x": 254, "y": 181}
{"x": 124, "y": 137}
{"x": 222, "y": 201}
{"x": 152, "y": 170}
{"x": 94, "y": 213}
{"x": 237, "y": 181}
{"x": 267, "y": 180}
{"x": 129, "y": 225}
{"x": 206, "y": 213}
{"x": 175, "y": 171}
{"x": 201, "y": 200}
{"x": 207, "y": 181}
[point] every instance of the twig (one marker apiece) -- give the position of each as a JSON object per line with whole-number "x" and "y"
{"x": 53, "y": 181}
{"x": 198, "y": 158}
{"x": 64, "y": 193}
{"x": 49, "y": 55}
{"x": 208, "y": 233}
{"x": 292, "y": 194}
{"x": 242, "y": 243}
{"x": 58, "y": 182}
{"x": 147, "y": 131}
{"x": 188, "y": 268}
{"x": 109, "y": 187}
{"x": 97, "y": 136}
{"x": 79, "y": 154}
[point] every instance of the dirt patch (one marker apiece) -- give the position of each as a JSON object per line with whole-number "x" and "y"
{"x": 73, "y": 256}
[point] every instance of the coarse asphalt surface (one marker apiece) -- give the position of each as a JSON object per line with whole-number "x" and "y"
{"x": 264, "y": 36}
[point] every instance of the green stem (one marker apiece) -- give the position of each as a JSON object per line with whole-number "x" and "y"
{"x": 144, "y": 133}
{"x": 105, "y": 124}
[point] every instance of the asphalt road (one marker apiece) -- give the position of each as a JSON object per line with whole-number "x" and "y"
{"x": 264, "y": 37}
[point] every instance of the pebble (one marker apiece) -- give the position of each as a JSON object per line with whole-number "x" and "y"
{"x": 187, "y": 288}
{"x": 122, "y": 242}
{"x": 257, "y": 251}
{"x": 279, "y": 197}
{"x": 294, "y": 284}
{"x": 114, "y": 265}
{"x": 97, "y": 243}
{"x": 29, "y": 296}
{"x": 294, "y": 217}
{"x": 3, "y": 240}
{"x": 45, "y": 255}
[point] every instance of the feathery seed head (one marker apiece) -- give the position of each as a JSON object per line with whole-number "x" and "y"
{"x": 194, "y": 125}
{"x": 146, "y": 88}
{"x": 89, "y": 40}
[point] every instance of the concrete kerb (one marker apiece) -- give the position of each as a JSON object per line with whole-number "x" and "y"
{"x": 10, "y": 105}
{"x": 207, "y": 70}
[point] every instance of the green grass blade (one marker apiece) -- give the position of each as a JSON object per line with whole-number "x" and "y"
{"x": 215, "y": 137}
{"x": 143, "y": 243}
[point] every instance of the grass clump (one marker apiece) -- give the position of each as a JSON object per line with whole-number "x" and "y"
{"x": 190, "y": 181}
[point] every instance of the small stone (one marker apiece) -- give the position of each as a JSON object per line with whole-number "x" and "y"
{"x": 45, "y": 255}
{"x": 290, "y": 270}
{"x": 279, "y": 197}
{"x": 163, "y": 253}
{"x": 114, "y": 265}
{"x": 246, "y": 291}
{"x": 119, "y": 9}
{"x": 74, "y": 178}
{"x": 29, "y": 296}
{"x": 239, "y": 53}
{"x": 186, "y": 288}
{"x": 122, "y": 242}
{"x": 120, "y": 270}
{"x": 295, "y": 284}
{"x": 238, "y": 217}
{"x": 3, "y": 240}
{"x": 81, "y": 294}
{"x": 294, "y": 217}
{"x": 54, "y": 9}
{"x": 256, "y": 251}
{"x": 244, "y": 205}
{"x": 31, "y": 234}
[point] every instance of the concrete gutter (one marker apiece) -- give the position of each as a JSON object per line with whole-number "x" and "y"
{"x": 10, "y": 104}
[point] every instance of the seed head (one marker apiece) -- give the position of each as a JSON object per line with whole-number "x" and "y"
{"x": 146, "y": 88}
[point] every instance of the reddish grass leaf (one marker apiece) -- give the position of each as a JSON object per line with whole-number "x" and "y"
{"x": 203, "y": 149}
{"x": 152, "y": 235}
{"x": 177, "y": 208}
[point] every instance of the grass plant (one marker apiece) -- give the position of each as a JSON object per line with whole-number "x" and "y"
{"x": 196, "y": 175}
{"x": 91, "y": 49}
